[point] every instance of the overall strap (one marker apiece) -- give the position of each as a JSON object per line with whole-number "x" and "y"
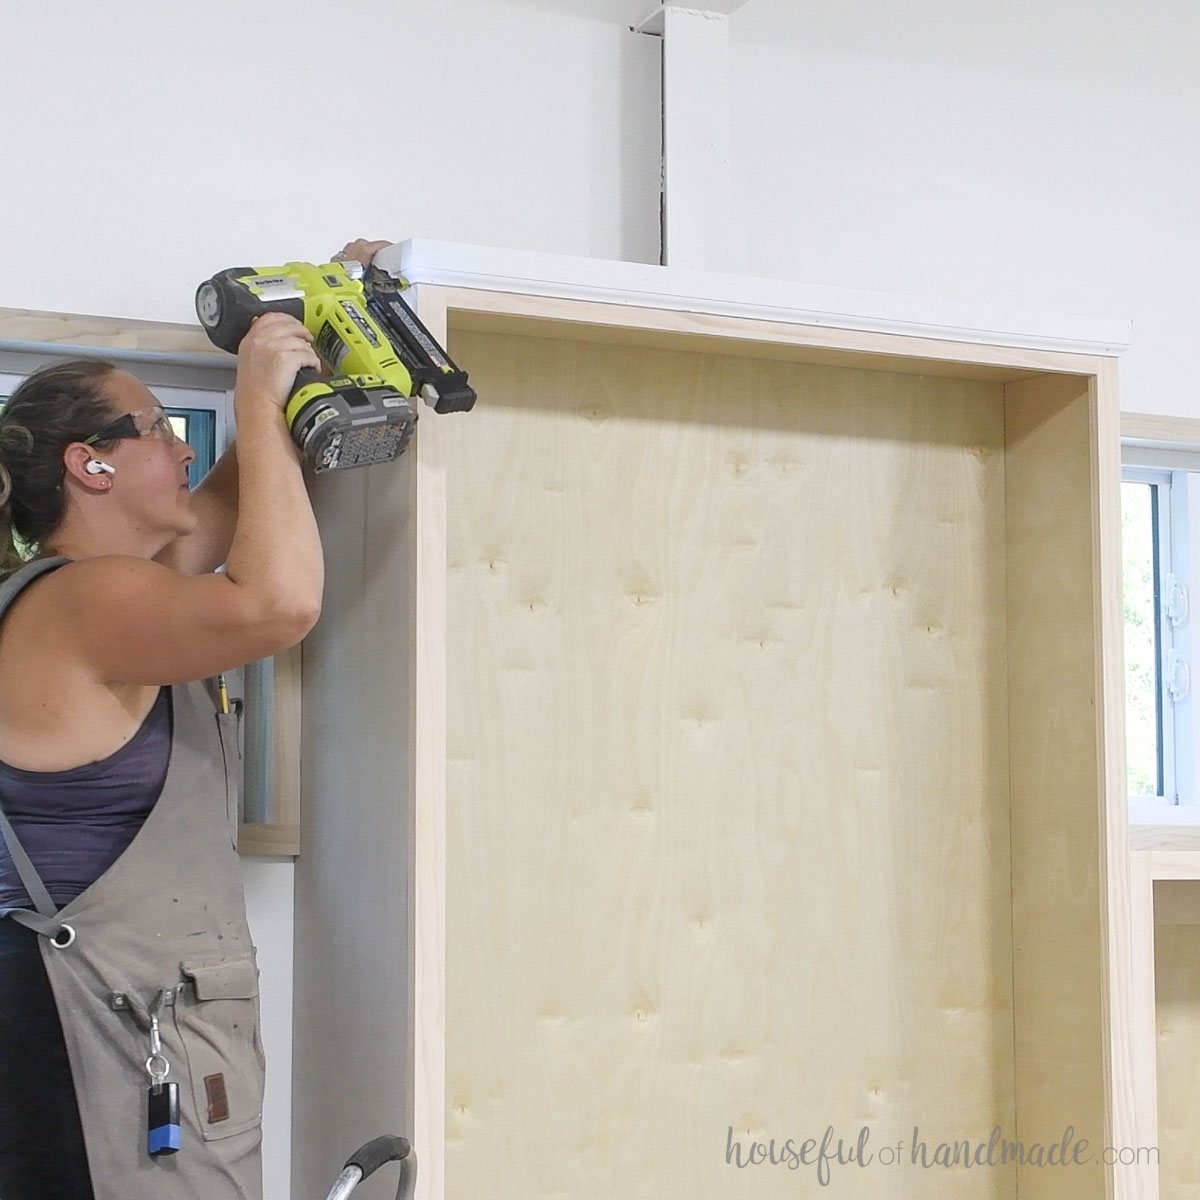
{"x": 22, "y": 577}
{"x": 42, "y": 921}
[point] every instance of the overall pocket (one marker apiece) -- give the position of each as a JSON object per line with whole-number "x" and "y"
{"x": 217, "y": 1019}
{"x": 229, "y": 727}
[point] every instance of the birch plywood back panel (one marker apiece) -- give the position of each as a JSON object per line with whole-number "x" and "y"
{"x": 727, "y": 844}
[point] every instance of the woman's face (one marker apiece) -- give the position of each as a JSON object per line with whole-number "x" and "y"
{"x": 150, "y": 471}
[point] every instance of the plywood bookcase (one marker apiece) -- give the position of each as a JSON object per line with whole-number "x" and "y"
{"x": 762, "y": 681}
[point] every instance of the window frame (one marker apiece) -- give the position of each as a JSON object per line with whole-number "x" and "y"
{"x": 1158, "y": 446}
{"x": 1162, "y": 480}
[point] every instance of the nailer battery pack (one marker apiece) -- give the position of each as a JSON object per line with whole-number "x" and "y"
{"x": 379, "y": 354}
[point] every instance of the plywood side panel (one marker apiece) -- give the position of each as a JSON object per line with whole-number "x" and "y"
{"x": 1177, "y": 1004}
{"x": 1057, "y": 794}
{"x": 352, "y": 1012}
{"x": 727, "y": 845}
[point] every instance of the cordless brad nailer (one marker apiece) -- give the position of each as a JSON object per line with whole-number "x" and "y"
{"x": 379, "y": 352}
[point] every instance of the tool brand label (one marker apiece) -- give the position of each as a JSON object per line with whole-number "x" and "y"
{"x": 360, "y": 320}
{"x": 272, "y": 287}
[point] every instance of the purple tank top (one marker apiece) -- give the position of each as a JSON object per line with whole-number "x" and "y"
{"x": 75, "y": 824}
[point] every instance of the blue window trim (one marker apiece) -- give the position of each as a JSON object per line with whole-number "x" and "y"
{"x": 200, "y": 426}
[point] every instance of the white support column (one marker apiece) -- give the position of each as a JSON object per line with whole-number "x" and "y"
{"x": 697, "y": 208}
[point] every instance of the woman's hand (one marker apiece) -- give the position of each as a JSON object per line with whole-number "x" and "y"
{"x": 360, "y": 250}
{"x": 275, "y": 348}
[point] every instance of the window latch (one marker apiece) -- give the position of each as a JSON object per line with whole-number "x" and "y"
{"x": 1175, "y": 604}
{"x": 1179, "y": 676}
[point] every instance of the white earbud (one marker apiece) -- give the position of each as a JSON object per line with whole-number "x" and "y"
{"x": 95, "y": 466}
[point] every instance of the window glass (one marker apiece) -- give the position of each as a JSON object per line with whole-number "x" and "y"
{"x": 1143, "y": 705}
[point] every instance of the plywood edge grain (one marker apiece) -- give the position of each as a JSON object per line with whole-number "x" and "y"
{"x": 27, "y": 329}
{"x": 1135, "y": 1113}
{"x": 288, "y": 714}
{"x": 269, "y": 841}
{"x": 1124, "y": 908}
{"x": 1153, "y": 430}
{"x": 1175, "y": 864}
{"x": 1185, "y": 838}
{"x": 428, "y": 877}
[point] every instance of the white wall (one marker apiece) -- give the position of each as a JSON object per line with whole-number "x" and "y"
{"x": 1031, "y": 154}
{"x": 1036, "y": 155}
{"x": 146, "y": 145}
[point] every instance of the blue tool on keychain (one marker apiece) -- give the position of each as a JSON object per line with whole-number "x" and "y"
{"x": 162, "y": 1126}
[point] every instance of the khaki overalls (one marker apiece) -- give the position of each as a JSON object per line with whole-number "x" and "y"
{"x": 165, "y": 927}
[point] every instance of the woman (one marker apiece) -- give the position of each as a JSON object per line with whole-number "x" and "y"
{"x": 117, "y": 772}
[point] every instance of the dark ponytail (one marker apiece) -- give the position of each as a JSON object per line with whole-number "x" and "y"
{"x": 55, "y": 406}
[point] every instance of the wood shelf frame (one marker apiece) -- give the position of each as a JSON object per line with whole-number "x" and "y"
{"x": 400, "y": 554}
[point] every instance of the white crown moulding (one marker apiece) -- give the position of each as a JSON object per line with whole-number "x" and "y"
{"x": 683, "y": 289}
{"x": 653, "y": 24}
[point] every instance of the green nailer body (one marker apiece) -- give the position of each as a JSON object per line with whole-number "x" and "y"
{"x": 378, "y": 351}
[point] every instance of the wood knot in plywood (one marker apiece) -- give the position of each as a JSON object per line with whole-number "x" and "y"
{"x": 554, "y": 1013}
{"x": 642, "y": 805}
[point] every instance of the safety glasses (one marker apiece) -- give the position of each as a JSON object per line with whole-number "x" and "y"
{"x": 145, "y": 422}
